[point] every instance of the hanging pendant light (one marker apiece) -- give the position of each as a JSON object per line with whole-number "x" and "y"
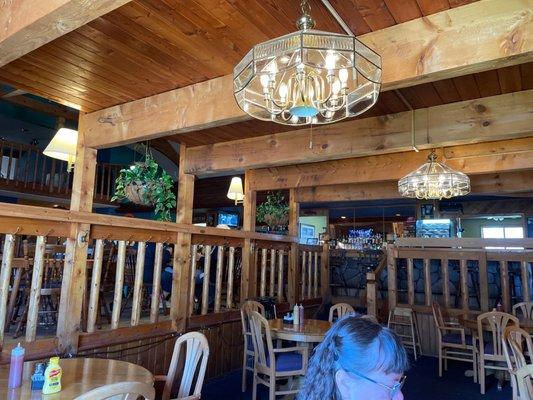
{"x": 434, "y": 181}
{"x": 307, "y": 77}
{"x": 63, "y": 146}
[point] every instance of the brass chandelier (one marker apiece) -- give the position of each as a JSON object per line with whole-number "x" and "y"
{"x": 434, "y": 181}
{"x": 307, "y": 77}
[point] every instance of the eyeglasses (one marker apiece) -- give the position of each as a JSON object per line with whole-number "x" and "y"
{"x": 393, "y": 390}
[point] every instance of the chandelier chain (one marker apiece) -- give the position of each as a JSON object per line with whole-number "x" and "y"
{"x": 305, "y": 7}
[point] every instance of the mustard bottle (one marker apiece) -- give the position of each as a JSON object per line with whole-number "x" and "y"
{"x": 52, "y": 377}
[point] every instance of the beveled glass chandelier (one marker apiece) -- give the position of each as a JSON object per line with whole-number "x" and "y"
{"x": 434, "y": 181}
{"x": 307, "y": 77}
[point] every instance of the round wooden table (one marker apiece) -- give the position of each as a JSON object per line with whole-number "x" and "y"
{"x": 470, "y": 321}
{"x": 79, "y": 376}
{"x": 312, "y": 331}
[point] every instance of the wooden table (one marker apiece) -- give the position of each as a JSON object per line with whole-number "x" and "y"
{"x": 470, "y": 321}
{"x": 312, "y": 331}
{"x": 79, "y": 376}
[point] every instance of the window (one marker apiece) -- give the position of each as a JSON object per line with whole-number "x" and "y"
{"x": 504, "y": 232}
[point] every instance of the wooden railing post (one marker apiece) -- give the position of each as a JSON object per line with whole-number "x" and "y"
{"x": 371, "y": 294}
{"x": 249, "y": 267}
{"x": 293, "y": 271}
{"x": 391, "y": 276}
{"x": 179, "y": 307}
{"x": 324, "y": 271}
{"x": 74, "y": 275}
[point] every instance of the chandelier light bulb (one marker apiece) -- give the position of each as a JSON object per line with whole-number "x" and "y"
{"x": 343, "y": 76}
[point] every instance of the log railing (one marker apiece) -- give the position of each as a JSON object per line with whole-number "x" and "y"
{"x": 24, "y": 168}
{"x": 117, "y": 296}
{"x": 310, "y": 262}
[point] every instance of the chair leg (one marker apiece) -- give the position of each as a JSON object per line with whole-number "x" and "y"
{"x": 440, "y": 361}
{"x": 475, "y": 367}
{"x": 244, "y": 371}
{"x": 445, "y": 359}
{"x": 254, "y": 385}
{"x": 482, "y": 376}
{"x": 272, "y": 388}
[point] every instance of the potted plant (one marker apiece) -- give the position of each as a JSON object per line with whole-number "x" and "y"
{"x": 145, "y": 183}
{"x": 274, "y": 212}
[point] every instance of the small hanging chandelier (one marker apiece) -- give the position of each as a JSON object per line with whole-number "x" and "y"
{"x": 434, "y": 181}
{"x": 307, "y": 77}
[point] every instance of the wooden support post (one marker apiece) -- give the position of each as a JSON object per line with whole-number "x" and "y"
{"x": 95, "y": 285}
{"x": 427, "y": 282}
{"x": 445, "y": 281}
{"x": 74, "y": 281}
{"x": 309, "y": 273}
{"x": 391, "y": 277}
{"x": 315, "y": 275}
{"x": 5, "y": 277}
{"x": 35, "y": 292}
{"x": 292, "y": 273}
{"x": 262, "y": 290}
{"x": 119, "y": 284}
{"x": 248, "y": 272}
{"x": 156, "y": 283}
{"x": 138, "y": 284}
{"x": 371, "y": 294}
{"x": 205, "y": 286}
{"x": 506, "y": 294}
{"x": 231, "y": 267}
{"x": 179, "y": 307}
{"x": 280, "y": 275}
{"x": 218, "y": 282}
{"x": 303, "y": 275}
{"x": 410, "y": 283}
{"x": 483, "y": 282}
{"x": 324, "y": 271}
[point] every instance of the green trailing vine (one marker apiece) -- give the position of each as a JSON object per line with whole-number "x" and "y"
{"x": 274, "y": 211}
{"x": 147, "y": 184}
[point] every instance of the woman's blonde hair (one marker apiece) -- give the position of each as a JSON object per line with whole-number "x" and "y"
{"x": 352, "y": 344}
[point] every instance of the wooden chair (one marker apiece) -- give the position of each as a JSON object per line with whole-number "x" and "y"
{"x": 126, "y": 391}
{"x": 453, "y": 343}
{"x": 525, "y": 308}
{"x": 513, "y": 350}
{"x": 271, "y": 364}
{"x": 340, "y": 309}
{"x": 246, "y": 308}
{"x": 492, "y": 350}
{"x": 523, "y": 377}
{"x": 197, "y": 354}
{"x": 402, "y": 321}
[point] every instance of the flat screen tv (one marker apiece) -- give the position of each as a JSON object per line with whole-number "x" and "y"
{"x": 228, "y": 219}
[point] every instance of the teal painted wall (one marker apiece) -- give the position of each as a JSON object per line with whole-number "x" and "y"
{"x": 320, "y": 223}
{"x": 472, "y": 227}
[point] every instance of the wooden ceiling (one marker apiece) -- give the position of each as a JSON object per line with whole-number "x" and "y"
{"x": 152, "y": 46}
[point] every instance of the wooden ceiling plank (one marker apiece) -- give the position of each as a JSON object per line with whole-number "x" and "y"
{"x": 447, "y": 91}
{"x": 494, "y": 118}
{"x": 462, "y": 40}
{"x": 510, "y": 79}
{"x": 466, "y": 87}
{"x": 351, "y": 16}
{"x": 496, "y": 157}
{"x": 29, "y": 24}
{"x": 429, "y": 7}
{"x": 487, "y": 83}
{"x": 424, "y": 95}
{"x": 375, "y": 13}
{"x": 486, "y": 184}
{"x": 403, "y": 10}
{"x": 526, "y": 75}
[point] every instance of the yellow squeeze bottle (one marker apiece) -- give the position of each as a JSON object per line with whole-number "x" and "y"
{"x": 52, "y": 377}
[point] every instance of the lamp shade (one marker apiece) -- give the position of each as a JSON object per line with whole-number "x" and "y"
{"x": 63, "y": 146}
{"x": 235, "y": 191}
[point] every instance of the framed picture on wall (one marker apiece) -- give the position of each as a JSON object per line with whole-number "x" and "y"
{"x": 306, "y": 232}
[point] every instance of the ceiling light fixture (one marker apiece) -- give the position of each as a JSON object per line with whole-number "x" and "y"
{"x": 434, "y": 181}
{"x": 307, "y": 77}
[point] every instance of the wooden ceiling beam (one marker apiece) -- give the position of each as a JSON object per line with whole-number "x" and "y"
{"x": 45, "y": 108}
{"x": 500, "y": 117}
{"x": 517, "y": 183}
{"x": 472, "y": 159}
{"x": 483, "y": 35}
{"x": 29, "y": 24}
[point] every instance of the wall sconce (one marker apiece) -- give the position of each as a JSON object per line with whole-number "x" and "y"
{"x": 235, "y": 191}
{"x": 63, "y": 146}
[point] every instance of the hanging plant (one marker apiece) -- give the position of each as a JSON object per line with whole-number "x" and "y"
{"x": 145, "y": 183}
{"x": 274, "y": 211}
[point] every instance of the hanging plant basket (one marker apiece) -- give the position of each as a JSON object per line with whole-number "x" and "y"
{"x": 138, "y": 192}
{"x": 145, "y": 183}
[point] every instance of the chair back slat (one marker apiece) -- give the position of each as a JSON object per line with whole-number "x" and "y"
{"x": 262, "y": 340}
{"x": 194, "y": 367}
{"x": 120, "y": 391}
{"x": 523, "y": 376}
{"x": 496, "y": 321}
{"x": 437, "y": 314}
{"x": 340, "y": 309}
{"x": 524, "y": 308}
